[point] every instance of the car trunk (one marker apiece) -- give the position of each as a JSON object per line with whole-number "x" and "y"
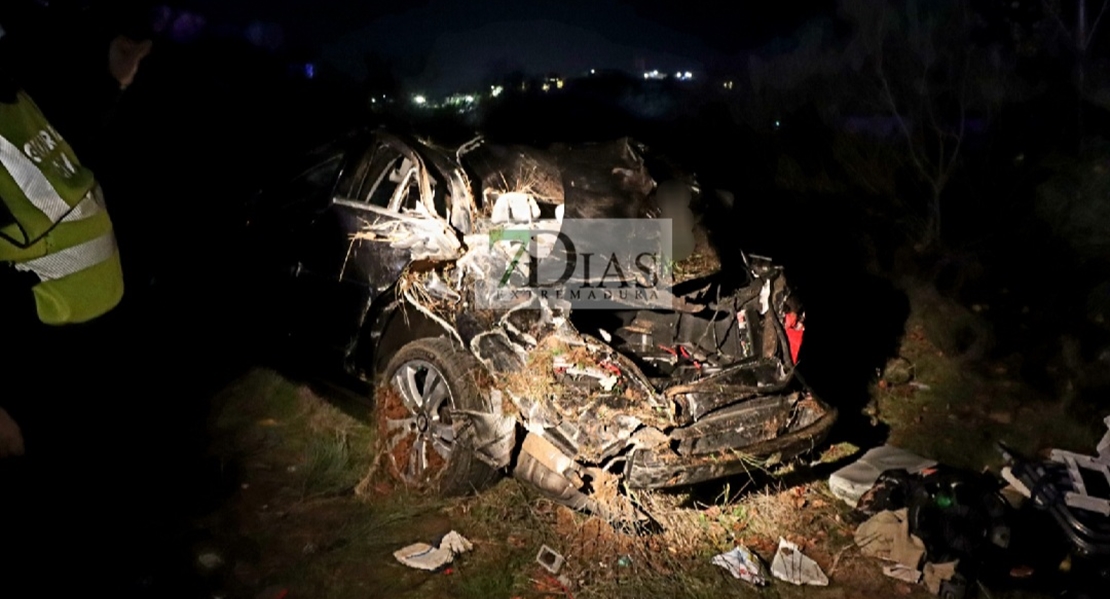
{"x": 723, "y": 343}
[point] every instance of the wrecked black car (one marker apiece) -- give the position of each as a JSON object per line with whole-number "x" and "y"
{"x": 375, "y": 258}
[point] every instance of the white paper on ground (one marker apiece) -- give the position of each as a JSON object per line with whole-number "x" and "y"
{"x": 425, "y": 557}
{"x": 742, "y": 564}
{"x": 792, "y": 566}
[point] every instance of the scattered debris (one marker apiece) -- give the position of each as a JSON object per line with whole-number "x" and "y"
{"x": 210, "y": 560}
{"x": 852, "y": 481}
{"x": 903, "y": 573}
{"x": 1074, "y": 491}
{"x": 937, "y": 574}
{"x": 1001, "y": 417}
{"x": 887, "y": 536}
{"x": 551, "y": 585}
{"x": 274, "y": 592}
{"x": 898, "y": 371}
{"x": 550, "y": 559}
{"x": 1087, "y": 471}
{"x": 425, "y": 557}
{"x": 792, "y": 566}
{"x": 742, "y": 564}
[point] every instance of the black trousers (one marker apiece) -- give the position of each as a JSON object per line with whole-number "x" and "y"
{"x": 85, "y": 509}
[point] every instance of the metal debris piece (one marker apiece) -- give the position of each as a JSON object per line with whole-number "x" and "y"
{"x": 1096, "y": 467}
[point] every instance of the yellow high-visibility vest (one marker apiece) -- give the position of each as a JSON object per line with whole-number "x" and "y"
{"x": 62, "y": 232}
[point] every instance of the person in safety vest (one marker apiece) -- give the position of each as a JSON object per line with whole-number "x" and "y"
{"x": 59, "y": 264}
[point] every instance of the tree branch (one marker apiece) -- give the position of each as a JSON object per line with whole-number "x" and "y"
{"x": 963, "y": 114}
{"x": 1056, "y": 17}
{"x": 898, "y": 116}
{"x": 1094, "y": 27}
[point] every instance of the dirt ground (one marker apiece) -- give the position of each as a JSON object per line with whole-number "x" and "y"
{"x": 306, "y": 520}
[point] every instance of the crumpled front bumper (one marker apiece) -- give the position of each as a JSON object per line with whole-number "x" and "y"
{"x": 731, "y": 441}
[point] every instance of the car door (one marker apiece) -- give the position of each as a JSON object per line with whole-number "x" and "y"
{"x": 379, "y": 220}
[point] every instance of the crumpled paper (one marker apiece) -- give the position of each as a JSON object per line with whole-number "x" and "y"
{"x": 886, "y": 535}
{"x": 425, "y": 557}
{"x": 742, "y": 564}
{"x": 936, "y": 574}
{"x": 792, "y": 566}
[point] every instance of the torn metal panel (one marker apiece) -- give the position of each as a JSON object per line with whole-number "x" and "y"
{"x": 663, "y": 467}
{"x": 492, "y": 436}
{"x": 497, "y": 352}
{"x": 462, "y": 211}
{"x": 425, "y": 237}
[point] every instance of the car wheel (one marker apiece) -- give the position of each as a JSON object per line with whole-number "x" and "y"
{"x": 425, "y": 383}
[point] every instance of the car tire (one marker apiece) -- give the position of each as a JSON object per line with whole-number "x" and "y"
{"x": 422, "y": 383}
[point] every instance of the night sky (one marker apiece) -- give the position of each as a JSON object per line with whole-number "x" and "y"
{"x": 446, "y": 45}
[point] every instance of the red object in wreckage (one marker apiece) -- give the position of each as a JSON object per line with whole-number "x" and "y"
{"x": 794, "y": 331}
{"x": 612, "y": 368}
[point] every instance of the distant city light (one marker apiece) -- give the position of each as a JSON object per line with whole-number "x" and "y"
{"x": 654, "y": 74}
{"x": 559, "y": 83}
{"x": 684, "y": 75}
{"x": 309, "y": 70}
{"x": 728, "y": 85}
{"x": 687, "y": 75}
{"x": 546, "y": 87}
{"x": 496, "y": 90}
{"x": 419, "y": 100}
{"x": 778, "y": 124}
{"x": 593, "y": 71}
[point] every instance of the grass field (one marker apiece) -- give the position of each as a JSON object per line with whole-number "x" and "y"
{"x": 313, "y": 519}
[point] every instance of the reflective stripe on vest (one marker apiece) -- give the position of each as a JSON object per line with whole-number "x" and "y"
{"x": 32, "y": 181}
{"x": 89, "y": 206}
{"x": 72, "y": 259}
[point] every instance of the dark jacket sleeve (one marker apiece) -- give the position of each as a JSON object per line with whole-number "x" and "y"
{"x": 20, "y": 346}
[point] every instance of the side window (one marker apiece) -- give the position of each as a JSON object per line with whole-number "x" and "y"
{"x": 408, "y": 189}
{"x": 381, "y": 191}
{"x": 368, "y": 180}
{"x": 383, "y": 176}
{"x": 306, "y": 189}
{"x": 323, "y": 174}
